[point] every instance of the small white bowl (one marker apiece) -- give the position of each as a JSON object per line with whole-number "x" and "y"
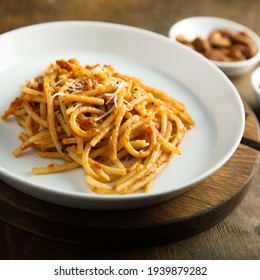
{"x": 255, "y": 81}
{"x": 202, "y": 26}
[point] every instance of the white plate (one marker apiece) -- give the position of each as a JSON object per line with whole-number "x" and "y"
{"x": 255, "y": 81}
{"x": 211, "y": 99}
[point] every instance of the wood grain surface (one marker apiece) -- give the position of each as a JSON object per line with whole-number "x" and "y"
{"x": 236, "y": 236}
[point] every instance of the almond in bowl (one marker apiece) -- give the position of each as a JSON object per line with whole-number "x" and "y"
{"x": 223, "y": 45}
{"x": 232, "y": 47}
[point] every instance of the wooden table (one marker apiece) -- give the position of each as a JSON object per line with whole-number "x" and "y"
{"x": 235, "y": 237}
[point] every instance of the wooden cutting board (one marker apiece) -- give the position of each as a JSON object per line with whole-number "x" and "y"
{"x": 184, "y": 216}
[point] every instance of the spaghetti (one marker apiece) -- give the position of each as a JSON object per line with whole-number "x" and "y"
{"x": 121, "y": 131}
